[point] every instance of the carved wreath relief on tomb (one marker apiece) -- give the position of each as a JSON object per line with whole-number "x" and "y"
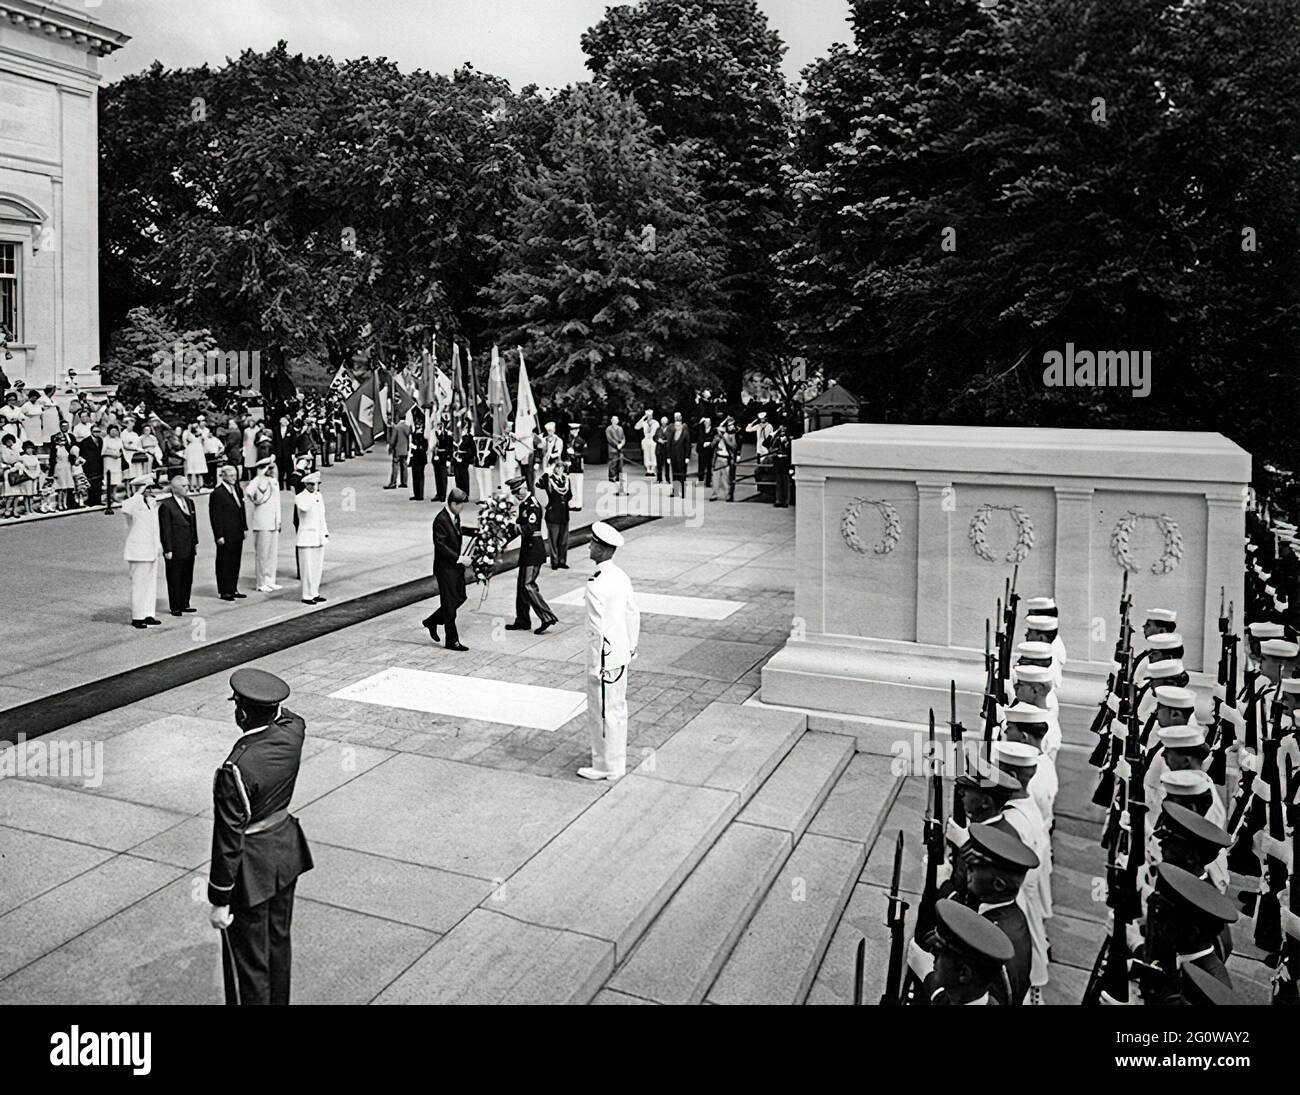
{"x": 1173, "y": 549}
{"x": 1024, "y": 533}
{"x": 888, "y": 514}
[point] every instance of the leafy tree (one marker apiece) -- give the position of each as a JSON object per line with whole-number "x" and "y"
{"x": 148, "y": 357}
{"x": 608, "y": 267}
{"x": 707, "y": 73}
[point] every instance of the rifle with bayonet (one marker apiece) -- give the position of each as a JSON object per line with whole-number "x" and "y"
{"x": 1104, "y": 794}
{"x": 1009, "y": 623}
{"x": 989, "y": 711}
{"x": 1286, "y": 979}
{"x": 958, "y": 733}
{"x": 1222, "y": 734}
{"x": 895, "y": 921}
{"x": 1116, "y": 686}
{"x": 932, "y": 835}
{"x": 1246, "y": 776}
{"x": 1253, "y": 812}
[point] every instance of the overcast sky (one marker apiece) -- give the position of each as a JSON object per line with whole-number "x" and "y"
{"x": 526, "y": 41}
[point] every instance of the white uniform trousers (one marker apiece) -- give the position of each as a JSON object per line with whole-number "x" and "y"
{"x": 607, "y": 721}
{"x": 266, "y": 547}
{"x": 575, "y": 485}
{"x": 483, "y": 483}
{"x": 144, "y": 589}
{"x": 311, "y": 561}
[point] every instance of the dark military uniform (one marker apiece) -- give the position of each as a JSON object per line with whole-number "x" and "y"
{"x": 532, "y": 555}
{"x": 258, "y": 852}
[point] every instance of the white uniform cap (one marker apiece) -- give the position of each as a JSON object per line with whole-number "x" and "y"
{"x": 607, "y": 534}
{"x": 1279, "y": 648}
{"x": 1041, "y": 623}
{"x": 1032, "y": 674}
{"x": 1291, "y": 685}
{"x": 1034, "y": 650}
{"x": 1266, "y": 630}
{"x": 1168, "y": 695}
{"x": 142, "y": 481}
{"x": 1166, "y": 640}
{"x": 1171, "y": 667}
{"x": 1188, "y": 781}
{"x": 1039, "y": 604}
{"x": 1181, "y": 737}
{"x": 314, "y": 477}
{"x": 1162, "y": 615}
{"x": 1027, "y": 712}
{"x": 1016, "y": 754}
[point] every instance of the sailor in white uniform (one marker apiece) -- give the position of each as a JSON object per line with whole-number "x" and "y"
{"x": 1043, "y": 629}
{"x": 613, "y": 630}
{"x": 142, "y": 552}
{"x": 263, "y": 491}
{"x": 1033, "y": 684}
{"x": 1046, "y": 606}
{"x": 313, "y": 531}
{"x": 1170, "y": 672}
{"x": 1161, "y": 647}
{"x": 1028, "y": 724}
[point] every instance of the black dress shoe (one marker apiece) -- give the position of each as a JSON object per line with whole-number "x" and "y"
{"x": 240, "y": 596}
{"x": 188, "y": 608}
{"x": 227, "y": 597}
{"x": 564, "y": 566}
{"x": 391, "y": 486}
{"x": 152, "y": 620}
{"x": 307, "y": 602}
{"x": 433, "y": 634}
{"x": 176, "y": 613}
{"x": 139, "y": 623}
{"x": 545, "y": 627}
{"x": 457, "y": 646}
{"x": 317, "y": 600}
{"x": 518, "y": 626}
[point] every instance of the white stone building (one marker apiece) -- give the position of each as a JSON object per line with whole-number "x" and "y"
{"x": 49, "y": 187}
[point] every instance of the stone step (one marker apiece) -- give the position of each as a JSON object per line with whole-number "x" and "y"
{"x": 779, "y": 953}
{"x": 800, "y": 784}
{"x": 679, "y": 957}
{"x": 611, "y": 871}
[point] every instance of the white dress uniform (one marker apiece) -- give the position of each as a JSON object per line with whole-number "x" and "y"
{"x": 312, "y": 534}
{"x": 1035, "y": 896}
{"x": 264, "y": 523}
{"x": 648, "y": 427}
{"x": 613, "y": 630}
{"x": 142, "y": 552}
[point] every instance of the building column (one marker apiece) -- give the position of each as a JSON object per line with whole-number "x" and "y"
{"x": 1225, "y": 533}
{"x": 934, "y": 506}
{"x": 810, "y": 553}
{"x": 1072, "y": 574}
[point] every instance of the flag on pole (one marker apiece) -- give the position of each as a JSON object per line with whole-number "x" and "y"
{"x": 428, "y": 369}
{"x": 359, "y": 412}
{"x": 473, "y": 389}
{"x": 525, "y": 405}
{"x": 401, "y": 401}
{"x": 343, "y": 384}
{"x": 499, "y": 396}
{"x": 457, "y": 391}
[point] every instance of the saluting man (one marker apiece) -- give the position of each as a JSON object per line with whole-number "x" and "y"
{"x": 313, "y": 531}
{"x": 263, "y": 491}
{"x": 258, "y": 848}
{"x": 142, "y": 551}
{"x": 613, "y": 630}
{"x": 532, "y": 554}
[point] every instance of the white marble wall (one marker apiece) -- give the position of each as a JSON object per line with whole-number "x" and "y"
{"x": 908, "y": 609}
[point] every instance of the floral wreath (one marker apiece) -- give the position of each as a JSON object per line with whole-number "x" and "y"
{"x": 496, "y": 528}
{"x": 1173, "y": 550}
{"x": 1024, "y": 533}
{"x": 849, "y": 526}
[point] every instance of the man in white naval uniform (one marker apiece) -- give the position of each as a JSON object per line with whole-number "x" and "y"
{"x": 613, "y": 629}
{"x": 1046, "y": 606}
{"x": 312, "y": 534}
{"x": 1023, "y": 816}
{"x": 1033, "y": 685}
{"x": 142, "y": 552}
{"x": 1028, "y": 724}
{"x": 263, "y": 491}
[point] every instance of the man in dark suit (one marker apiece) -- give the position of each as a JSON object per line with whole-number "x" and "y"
{"x": 418, "y": 459}
{"x": 91, "y": 450}
{"x": 258, "y": 849}
{"x": 178, "y": 528}
{"x": 442, "y": 454}
{"x": 399, "y": 451}
{"x": 448, "y": 569}
{"x": 532, "y": 554}
{"x": 679, "y": 453}
{"x": 229, "y": 525}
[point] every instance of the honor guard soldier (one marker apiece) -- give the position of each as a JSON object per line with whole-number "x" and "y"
{"x": 532, "y": 554}
{"x": 1046, "y": 606}
{"x": 1028, "y": 724}
{"x": 1033, "y": 685}
{"x": 1170, "y": 673}
{"x": 258, "y": 848}
{"x": 969, "y": 957}
{"x": 613, "y": 631}
{"x": 1043, "y": 629}
{"x": 1158, "y": 620}
{"x": 996, "y": 864}
{"x": 1022, "y": 817}
{"x": 1185, "y": 916}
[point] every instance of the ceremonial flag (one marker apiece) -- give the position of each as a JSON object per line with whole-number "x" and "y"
{"x": 457, "y": 391}
{"x": 526, "y": 406}
{"x": 379, "y": 381}
{"x": 442, "y": 393}
{"x": 343, "y": 383}
{"x": 359, "y": 412}
{"x": 473, "y": 389}
{"x": 499, "y": 395}
{"x": 428, "y": 368}
{"x": 401, "y": 402}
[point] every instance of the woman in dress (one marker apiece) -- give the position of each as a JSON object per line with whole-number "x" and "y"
{"x": 30, "y": 486}
{"x": 196, "y": 460}
{"x": 61, "y": 469}
{"x": 10, "y": 457}
{"x": 11, "y": 416}
{"x": 250, "y": 448}
{"x": 113, "y": 465}
{"x": 152, "y": 449}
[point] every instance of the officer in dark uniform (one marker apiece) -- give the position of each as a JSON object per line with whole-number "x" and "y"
{"x": 258, "y": 849}
{"x": 1184, "y": 917}
{"x": 969, "y": 957}
{"x": 532, "y": 555}
{"x": 996, "y": 866}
